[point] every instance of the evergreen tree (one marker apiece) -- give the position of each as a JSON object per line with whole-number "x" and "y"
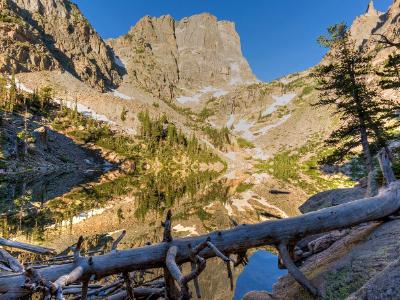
{"x": 390, "y": 75}
{"x": 3, "y": 92}
{"x": 12, "y": 93}
{"x": 46, "y": 94}
{"x": 123, "y": 114}
{"x": 343, "y": 83}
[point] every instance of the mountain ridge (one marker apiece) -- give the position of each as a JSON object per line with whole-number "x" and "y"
{"x": 188, "y": 54}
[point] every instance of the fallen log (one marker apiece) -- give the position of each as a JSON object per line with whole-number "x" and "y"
{"x": 235, "y": 240}
{"x": 26, "y": 247}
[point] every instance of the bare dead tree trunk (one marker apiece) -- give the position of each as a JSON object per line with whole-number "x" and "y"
{"x": 386, "y": 167}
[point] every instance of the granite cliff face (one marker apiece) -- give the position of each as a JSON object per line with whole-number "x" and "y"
{"x": 53, "y": 34}
{"x": 168, "y": 57}
{"x": 365, "y": 25}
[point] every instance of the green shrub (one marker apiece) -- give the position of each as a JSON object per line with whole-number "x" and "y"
{"x": 242, "y": 187}
{"x": 243, "y": 143}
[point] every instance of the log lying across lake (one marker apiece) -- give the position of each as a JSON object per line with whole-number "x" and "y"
{"x": 232, "y": 241}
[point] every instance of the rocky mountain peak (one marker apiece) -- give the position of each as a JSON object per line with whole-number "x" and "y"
{"x": 58, "y": 36}
{"x": 371, "y": 9}
{"x": 169, "y": 57}
{"x": 364, "y": 25}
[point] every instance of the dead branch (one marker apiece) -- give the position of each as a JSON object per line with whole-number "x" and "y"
{"x": 26, "y": 247}
{"x": 384, "y": 40}
{"x": 294, "y": 271}
{"x": 9, "y": 263}
{"x": 128, "y": 285}
{"x": 177, "y": 274}
{"x": 118, "y": 240}
{"x": 385, "y": 164}
{"x": 167, "y": 227}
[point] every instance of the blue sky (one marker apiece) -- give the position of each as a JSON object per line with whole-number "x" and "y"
{"x": 278, "y": 36}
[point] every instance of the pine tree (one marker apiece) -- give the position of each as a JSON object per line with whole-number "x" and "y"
{"x": 3, "y": 91}
{"x": 343, "y": 84}
{"x": 390, "y": 75}
{"x": 12, "y": 93}
{"x": 46, "y": 94}
{"x": 123, "y": 114}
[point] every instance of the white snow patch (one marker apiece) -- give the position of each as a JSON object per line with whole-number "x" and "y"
{"x": 257, "y": 153}
{"x": 20, "y": 86}
{"x": 279, "y": 101}
{"x": 242, "y": 204}
{"x": 281, "y": 121}
{"x": 195, "y": 98}
{"x": 120, "y": 95}
{"x": 189, "y": 99}
{"x": 279, "y": 211}
{"x": 231, "y": 155}
{"x": 230, "y": 121}
{"x": 87, "y": 112}
{"x": 243, "y": 128}
{"x": 82, "y": 217}
{"x": 258, "y": 178}
{"x": 119, "y": 62}
{"x": 242, "y": 201}
{"x": 191, "y": 229}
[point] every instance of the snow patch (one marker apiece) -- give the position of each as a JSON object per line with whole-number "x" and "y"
{"x": 189, "y": 99}
{"x": 279, "y": 101}
{"x": 258, "y": 178}
{"x": 281, "y": 121}
{"x": 20, "y": 86}
{"x": 231, "y": 155}
{"x": 82, "y": 217}
{"x": 120, "y": 95}
{"x": 257, "y": 153}
{"x": 195, "y": 98}
{"x": 87, "y": 112}
{"x": 243, "y": 128}
{"x": 242, "y": 202}
{"x": 230, "y": 121}
{"x": 119, "y": 62}
{"x": 191, "y": 229}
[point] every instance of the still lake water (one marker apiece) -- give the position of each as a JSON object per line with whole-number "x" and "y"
{"x": 259, "y": 275}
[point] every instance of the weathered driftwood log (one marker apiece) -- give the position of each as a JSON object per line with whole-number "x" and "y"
{"x": 235, "y": 240}
{"x": 26, "y": 247}
{"x": 9, "y": 263}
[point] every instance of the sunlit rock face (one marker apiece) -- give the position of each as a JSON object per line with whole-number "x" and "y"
{"x": 364, "y": 25}
{"x": 168, "y": 57}
{"x": 53, "y": 34}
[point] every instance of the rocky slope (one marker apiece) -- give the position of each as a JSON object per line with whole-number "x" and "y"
{"x": 168, "y": 57}
{"x": 354, "y": 265}
{"x": 47, "y": 35}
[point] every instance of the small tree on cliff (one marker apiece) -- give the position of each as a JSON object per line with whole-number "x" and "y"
{"x": 343, "y": 83}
